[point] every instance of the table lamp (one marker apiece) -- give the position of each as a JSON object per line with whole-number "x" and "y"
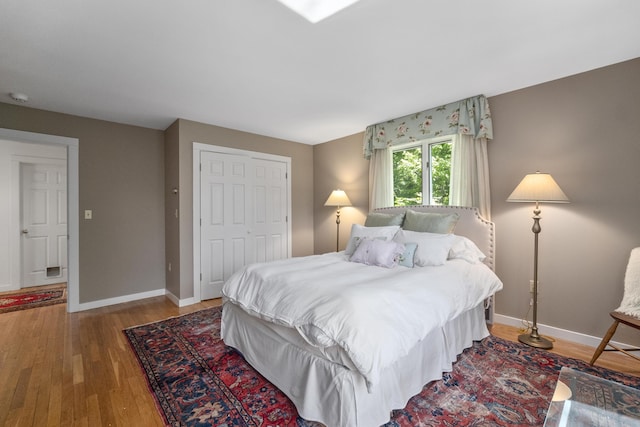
{"x": 338, "y": 198}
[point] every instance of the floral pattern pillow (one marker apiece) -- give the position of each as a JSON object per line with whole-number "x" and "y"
{"x": 378, "y": 252}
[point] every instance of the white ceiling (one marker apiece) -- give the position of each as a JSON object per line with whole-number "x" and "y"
{"x": 256, "y": 66}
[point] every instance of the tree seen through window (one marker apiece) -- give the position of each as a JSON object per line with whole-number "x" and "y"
{"x": 410, "y": 182}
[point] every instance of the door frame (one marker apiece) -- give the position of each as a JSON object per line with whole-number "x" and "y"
{"x": 199, "y": 148}
{"x": 73, "y": 196}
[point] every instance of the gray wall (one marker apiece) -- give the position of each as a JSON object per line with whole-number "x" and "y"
{"x": 584, "y": 130}
{"x": 172, "y": 205}
{"x": 127, "y": 180}
{"x": 339, "y": 164}
{"x": 121, "y": 180}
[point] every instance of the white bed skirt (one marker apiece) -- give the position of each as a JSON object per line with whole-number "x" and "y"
{"x": 330, "y": 392}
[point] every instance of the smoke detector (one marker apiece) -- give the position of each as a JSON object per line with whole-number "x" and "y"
{"x": 19, "y": 97}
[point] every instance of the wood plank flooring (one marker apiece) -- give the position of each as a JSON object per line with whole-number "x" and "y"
{"x": 60, "y": 369}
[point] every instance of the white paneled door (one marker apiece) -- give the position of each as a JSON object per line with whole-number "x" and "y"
{"x": 243, "y": 210}
{"x": 44, "y": 224}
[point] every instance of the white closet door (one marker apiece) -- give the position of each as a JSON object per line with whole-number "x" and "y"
{"x": 244, "y": 203}
{"x": 226, "y": 218}
{"x": 270, "y": 229}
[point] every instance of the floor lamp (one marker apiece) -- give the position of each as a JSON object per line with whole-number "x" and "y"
{"x": 537, "y": 187}
{"x": 338, "y": 198}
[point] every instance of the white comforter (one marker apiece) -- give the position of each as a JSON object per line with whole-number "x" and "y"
{"x": 376, "y": 315}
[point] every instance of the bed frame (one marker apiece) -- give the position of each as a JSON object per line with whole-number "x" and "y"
{"x": 337, "y": 396}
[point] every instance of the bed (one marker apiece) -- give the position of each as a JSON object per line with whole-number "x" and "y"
{"x": 348, "y": 342}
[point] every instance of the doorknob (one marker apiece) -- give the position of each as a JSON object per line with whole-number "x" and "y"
{"x": 25, "y": 231}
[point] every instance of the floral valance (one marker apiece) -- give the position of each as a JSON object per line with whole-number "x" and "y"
{"x": 469, "y": 116}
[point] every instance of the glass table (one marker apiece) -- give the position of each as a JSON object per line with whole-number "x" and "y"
{"x": 581, "y": 399}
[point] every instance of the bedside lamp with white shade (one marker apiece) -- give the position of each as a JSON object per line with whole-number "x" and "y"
{"x": 338, "y": 198}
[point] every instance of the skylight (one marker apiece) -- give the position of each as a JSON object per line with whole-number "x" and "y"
{"x": 317, "y": 10}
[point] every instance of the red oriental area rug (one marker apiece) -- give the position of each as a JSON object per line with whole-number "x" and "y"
{"x": 33, "y": 297}
{"x": 198, "y": 381}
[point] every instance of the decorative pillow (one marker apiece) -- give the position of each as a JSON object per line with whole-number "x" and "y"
{"x": 376, "y": 219}
{"x": 464, "y": 248}
{"x": 406, "y": 258}
{"x": 357, "y": 240}
{"x": 430, "y": 222}
{"x": 378, "y": 252}
{"x": 359, "y": 231}
{"x": 433, "y": 248}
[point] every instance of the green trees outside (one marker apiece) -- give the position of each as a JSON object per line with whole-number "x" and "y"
{"x": 407, "y": 175}
{"x": 440, "y": 172}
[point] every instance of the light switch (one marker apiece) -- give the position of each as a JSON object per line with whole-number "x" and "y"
{"x": 88, "y": 214}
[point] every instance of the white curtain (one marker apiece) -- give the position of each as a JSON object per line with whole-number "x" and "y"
{"x": 469, "y": 184}
{"x": 380, "y": 179}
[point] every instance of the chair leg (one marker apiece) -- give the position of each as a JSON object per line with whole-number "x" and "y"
{"x": 605, "y": 341}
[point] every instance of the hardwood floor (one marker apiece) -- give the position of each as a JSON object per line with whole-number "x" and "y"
{"x": 60, "y": 369}
{"x": 611, "y": 360}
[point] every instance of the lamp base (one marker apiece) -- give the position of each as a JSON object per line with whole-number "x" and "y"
{"x": 537, "y": 342}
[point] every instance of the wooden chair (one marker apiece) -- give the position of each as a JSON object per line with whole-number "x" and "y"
{"x": 629, "y": 311}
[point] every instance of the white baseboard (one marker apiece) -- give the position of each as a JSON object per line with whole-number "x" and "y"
{"x": 7, "y": 288}
{"x": 554, "y": 332}
{"x": 119, "y": 300}
{"x": 181, "y": 302}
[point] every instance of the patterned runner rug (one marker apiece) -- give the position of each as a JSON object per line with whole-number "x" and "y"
{"x": 33, "y": 297}
{"x": 198, "y": 381}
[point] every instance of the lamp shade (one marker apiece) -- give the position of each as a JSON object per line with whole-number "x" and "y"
{"x": 338, "y": 198}
{"x": 538, "y": 187}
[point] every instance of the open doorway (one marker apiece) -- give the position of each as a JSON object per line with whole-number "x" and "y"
{"x": 11, "y": 251}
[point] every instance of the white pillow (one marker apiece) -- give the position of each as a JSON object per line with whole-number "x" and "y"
{"x": 378, "y": 252}
{"x": 433, "y": 248}
{"x": 464, "y": 248}
{"x": 359, "y": 231}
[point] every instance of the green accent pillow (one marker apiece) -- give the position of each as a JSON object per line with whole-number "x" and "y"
{"x": 376, "y": 219}
{"x": 430, "y": 222}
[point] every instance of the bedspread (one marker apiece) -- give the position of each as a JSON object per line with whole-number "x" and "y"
{"x": 376, "y": 315}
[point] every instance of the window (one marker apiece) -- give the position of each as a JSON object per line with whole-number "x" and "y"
{"x": 422, "y": 172}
